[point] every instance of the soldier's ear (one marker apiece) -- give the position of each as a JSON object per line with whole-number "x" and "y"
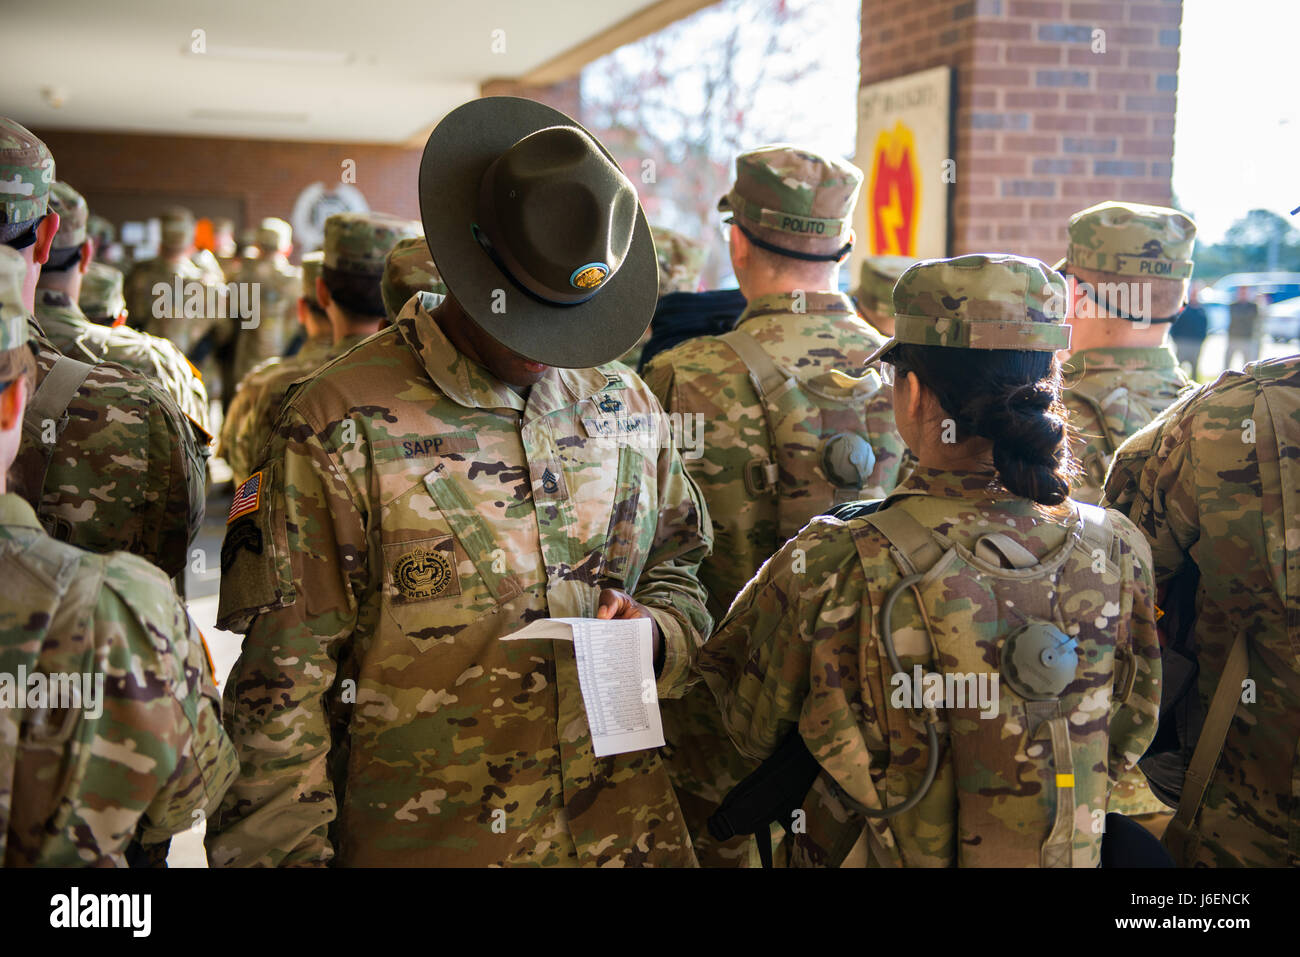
{"x": 45, "y": 231}
{"x": 323, "y": 293}
{"x": 13, "y": 402}
{"x": 87, "y": 256}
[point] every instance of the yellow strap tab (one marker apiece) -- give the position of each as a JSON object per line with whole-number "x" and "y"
{"x": 1065, "y": 780}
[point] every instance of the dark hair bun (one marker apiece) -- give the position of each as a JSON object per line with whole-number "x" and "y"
{"x": 1011, "y": 398}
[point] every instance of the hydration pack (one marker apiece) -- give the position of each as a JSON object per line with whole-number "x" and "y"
{"x": 821, "y": 453}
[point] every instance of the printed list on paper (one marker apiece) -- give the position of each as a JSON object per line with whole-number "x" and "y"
{"x": 616, "y": 674}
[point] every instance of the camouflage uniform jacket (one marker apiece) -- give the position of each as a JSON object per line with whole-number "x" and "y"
{"x": 416, "y": 510}
{"x": 156, "y": 359}
{"x": 705, "y": 376}
{"x": 801, "y": 650}
{"x": 182, "y": 321}
{"x": 77, "y": 788}
{"x": 241, "y": 440}
{"x": 1214, "y": 484}
{"x": 1111, "y": 394}
{"x": 278, "y": 287}
{"x": 126, "y": 470}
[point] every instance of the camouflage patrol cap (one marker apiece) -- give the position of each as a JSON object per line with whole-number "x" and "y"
{"x": 101, "y": 292}
{"x": 73, "y": 213}
{"x": 681, "y": 260}
{"x": 311, "y": 267}
{"x": 876, "y": 281}
{"x": 981, "y": 301}
{"x": 409, "y": 270}
{"x": 100, "y": 230}
{"x": 273, "y": 234}
{"x": 177, "y": 224}
{"x": 1132, "y": 239}
{"x": 26, "y": 173}
{"x": 359, "y": 242}
{"x": 13, "y": 315}
{"x": 793, "y": 201}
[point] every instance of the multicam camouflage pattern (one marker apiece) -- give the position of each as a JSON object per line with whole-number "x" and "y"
{"x": 177, "y": 226}
{"x": 681, "y": 260}
{"x": 415, "y": 510}
{"x": 705, "y": 377}
{"x": 14, "y": 331}
{"x": 126, "y": 471}
{"x": 1112, "y": 393}
{"x": 794, "y": 199}
{"x": 100, "y": 230}
{"x": 256, "y": 406}
{"x": 102, "y": 299}
{"x": 122, "y": 469}
{"x": 26, "y": 173}
{"x": 77, "y": 790}
{"x": 278, "y": 284}
{"x": 360, "y": 242}
{"x": 801, "y": 649}
{"x": 156, "y": 359}
{"x": 1132, "y": 239}
{"x": 409, "y": 269}
{"x": 312, "y": 263}
{"x": 161, "y": 315}
{"x": 1212, "y": 485}
{"x": 980, "y": 302}
{"x": 876, "y": 278}
{"x": 73, "y": 212}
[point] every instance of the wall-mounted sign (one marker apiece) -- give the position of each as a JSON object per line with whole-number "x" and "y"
{"x": 315, "y": 204}
{"x": 905, "y": 153}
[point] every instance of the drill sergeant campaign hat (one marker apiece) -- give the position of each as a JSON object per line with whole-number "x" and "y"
{"x": 681, "y": 260}
{"x": 359, "y": 243}
{"x": 101, "y": 296}
{"x": 73, "y": 214}
{"x": 26, "y": 174}
{"x": 273, "y": 235}
{"x": 409, "y": 270}
{"x": 876, "y": 278}
{"x": 311, "y": 269}
{"x": 791, "y": 201}
{"x": 13, "y": 316}
{"x": 1131, "y": 239}
{"x": 537, "y": 233}
{"x": 981, "y": 301}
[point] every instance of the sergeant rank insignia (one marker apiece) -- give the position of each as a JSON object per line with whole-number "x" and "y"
{"x": 422, "y": 574}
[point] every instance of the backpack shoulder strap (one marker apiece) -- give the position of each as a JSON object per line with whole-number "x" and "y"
{"x": 1097, "y": 529}
{"x": 765, "y": 374}
{"x": 912, "y": 542}
{"x": 53, "y": 395}
{"x": 1098, "y": 406}
{"x": 1223, "y": 705}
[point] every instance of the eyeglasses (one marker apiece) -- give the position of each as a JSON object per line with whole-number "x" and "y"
{"x": 724, "y": 228}
{"x": 889, "y": 373}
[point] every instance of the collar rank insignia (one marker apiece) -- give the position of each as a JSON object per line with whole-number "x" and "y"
{"x": 550, "y": 485}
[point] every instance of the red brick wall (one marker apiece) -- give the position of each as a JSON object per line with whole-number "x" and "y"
{"x": 1044, "y": 126}
{"x": 257, "y": 177}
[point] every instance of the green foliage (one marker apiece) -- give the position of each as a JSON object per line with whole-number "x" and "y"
{"x": 1261, "y": 241}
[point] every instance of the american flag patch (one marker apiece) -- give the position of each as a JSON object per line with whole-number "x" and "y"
{"x": 247, "y": 498}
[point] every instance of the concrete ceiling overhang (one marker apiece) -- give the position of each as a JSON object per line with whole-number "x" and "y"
{"x": 379, "y": 71}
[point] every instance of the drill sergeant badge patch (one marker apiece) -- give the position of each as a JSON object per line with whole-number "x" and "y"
{"x": 423, "y": 573}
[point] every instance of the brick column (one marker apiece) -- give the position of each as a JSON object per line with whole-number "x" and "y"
{"x": 1044, "y": 124}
